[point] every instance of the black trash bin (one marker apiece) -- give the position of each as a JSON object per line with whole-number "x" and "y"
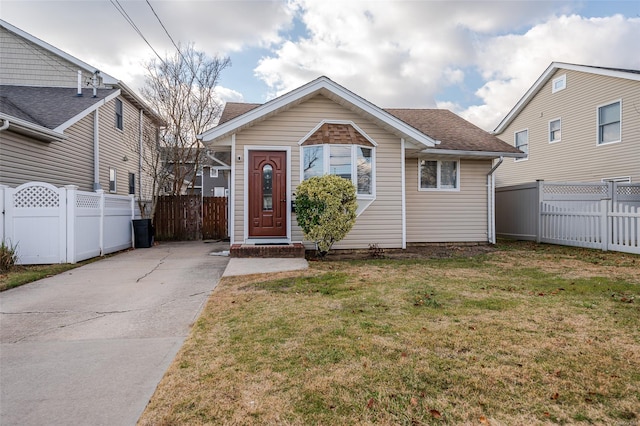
{"x": 143, "y": 233}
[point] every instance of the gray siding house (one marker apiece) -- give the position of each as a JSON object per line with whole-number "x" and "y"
{"x": 64, "y": 122}
{"x": 576, "y": 123}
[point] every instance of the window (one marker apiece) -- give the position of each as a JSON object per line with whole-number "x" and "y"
{"x": 213, "y": 173}
{"x": 132, "y": 183}
{"x": 112, "y": 180}
{"x": 352, "y": 162}
{"x": 522, "y": 143}
{"x": 119, "y": 116}
{"x": 439, "y": 175}
{"x": 559, "y": 83}
{"x": 609, "y": 123}
{"x": 554, "y": 130}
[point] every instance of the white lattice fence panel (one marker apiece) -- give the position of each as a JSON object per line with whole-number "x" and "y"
{"x": 574, "y": 191}
{"x": 35, "y": 220}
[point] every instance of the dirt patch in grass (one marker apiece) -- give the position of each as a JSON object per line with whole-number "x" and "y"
{"x": 482, "y": 339}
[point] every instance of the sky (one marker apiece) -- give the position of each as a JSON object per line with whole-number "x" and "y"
{"x": 476, "y": 58}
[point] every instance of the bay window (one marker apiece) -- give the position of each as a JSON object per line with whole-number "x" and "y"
{"x": 351, "y": 162}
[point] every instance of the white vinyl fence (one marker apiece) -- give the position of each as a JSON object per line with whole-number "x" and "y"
{"x": 64, "y": 225}
{"x": 603, "y": 216}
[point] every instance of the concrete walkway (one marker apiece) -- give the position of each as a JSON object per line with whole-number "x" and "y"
{"x": 89, "y": 346}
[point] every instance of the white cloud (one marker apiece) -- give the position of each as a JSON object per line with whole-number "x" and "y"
{"x": 225, "y": 94}
{"x": 403, "y": 54}
{"x": 95, "y": 32}
{"x": 512, "y": 63}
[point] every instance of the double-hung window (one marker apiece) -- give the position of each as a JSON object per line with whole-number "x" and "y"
{"x": 119, "y": 115}
{"x": 522, "y": 142}
{"x": 443, "y": 175}
{"x": 352, "y": 162}
{"x": 609, "y": 123}
{"x": 554, "y": 130}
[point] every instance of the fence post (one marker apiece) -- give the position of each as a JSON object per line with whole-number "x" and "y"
{"x": 133, "y": 216}
{"x": 2, "y": 221}
{"x": 540, "y": 194}
{"x": 70, "y": 212}
{"x": 604, "y": 223}
{"x": 100, "y": 192}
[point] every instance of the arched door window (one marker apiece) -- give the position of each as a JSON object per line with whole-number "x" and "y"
{"x": 267, "y": 187}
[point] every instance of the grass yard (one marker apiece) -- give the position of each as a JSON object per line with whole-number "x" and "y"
{"x": 528, "y": 334}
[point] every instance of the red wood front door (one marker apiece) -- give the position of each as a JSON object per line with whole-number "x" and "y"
{"x": 267, "y": 194}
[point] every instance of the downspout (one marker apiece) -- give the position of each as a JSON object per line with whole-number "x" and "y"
{"x": 96, "y": 151}
{"x": 5, "y": 126}
{"x": 140, "y": 153}
{"x": 404, "y": 194}
{"x": 491, "y": 203}
{"x": 231, "y": 201}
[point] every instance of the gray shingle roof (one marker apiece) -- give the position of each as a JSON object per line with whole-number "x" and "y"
{"x": 453, "y": 132}
{"x": 47, "y": 106}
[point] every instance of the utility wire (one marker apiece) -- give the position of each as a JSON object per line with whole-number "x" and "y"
{"x": 126, "y": 16}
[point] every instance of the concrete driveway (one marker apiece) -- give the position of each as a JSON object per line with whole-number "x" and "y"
{"x": 89, "y": 346}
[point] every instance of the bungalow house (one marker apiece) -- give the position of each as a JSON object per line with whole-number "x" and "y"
{"x": 64, "y": 122}
{"x": 576, "y": 123}
{"x": 422, "y": 175}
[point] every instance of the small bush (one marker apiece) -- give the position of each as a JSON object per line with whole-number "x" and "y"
{"x": 326, "y": 210}
{"x": 8, "y": 255}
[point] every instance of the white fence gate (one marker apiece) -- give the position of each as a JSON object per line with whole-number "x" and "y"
{"x": 64, "y": 225}
{"x": 603, "y": 216}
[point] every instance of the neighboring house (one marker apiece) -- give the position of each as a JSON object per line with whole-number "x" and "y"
{"x": 66, "y": 123}
{"x": 421, "y": 175}
{"x": 576, "y": 123}
{"x": 210, "y": 177}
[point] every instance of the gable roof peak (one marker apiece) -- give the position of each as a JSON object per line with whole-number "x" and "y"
{"x": 548, "y": 74}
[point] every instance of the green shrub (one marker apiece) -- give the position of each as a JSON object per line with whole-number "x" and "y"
{"x": 8, "y": 255}
{"x": 326, "y": 210}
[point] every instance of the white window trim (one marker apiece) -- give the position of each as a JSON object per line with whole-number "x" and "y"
{"x": 549, "y": 131}
{"x": 438, "y": 189}
{"x": 563, "y": 79}
{"x": 354, "y": 165}
{"x": 598, "y": 123}
{"x": 528, "y": 144}
{"x": 211, "y": 172}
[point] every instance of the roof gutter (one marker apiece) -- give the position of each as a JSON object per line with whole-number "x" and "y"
{"x": 39, "y": 132}
{"x": 480, "y": 154}
{"x": 491, "y": 202}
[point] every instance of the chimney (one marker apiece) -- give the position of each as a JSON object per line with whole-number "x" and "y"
{"x": 79, "y": 83}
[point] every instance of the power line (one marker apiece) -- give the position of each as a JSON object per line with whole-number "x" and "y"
{"x": 126, "y": 16}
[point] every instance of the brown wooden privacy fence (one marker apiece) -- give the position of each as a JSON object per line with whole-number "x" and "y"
{"x": 190, "y": 217}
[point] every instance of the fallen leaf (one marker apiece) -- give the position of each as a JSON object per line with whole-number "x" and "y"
{"x": 546, "y": 413}
{"x": 484, "y": 420}
{"x": 555, "y": 396}
{"x": 370, "y": 403}
{"x": 414, "y": 401}
{"x": 404, "y": 354}
{"x": 435, "y": 413}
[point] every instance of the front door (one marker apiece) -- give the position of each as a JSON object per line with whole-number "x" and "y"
{"x": 267, "y": 194}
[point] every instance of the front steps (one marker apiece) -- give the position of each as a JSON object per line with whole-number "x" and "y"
{"x": 295, "y": 250}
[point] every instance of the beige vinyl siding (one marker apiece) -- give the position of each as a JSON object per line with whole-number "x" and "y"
{"x": 577, "y": 157}
{"x": 69, "y": 162}
{"x": 448, "y": 216}
{"x": 26, "y": 64}
{"x": 115, "y": 144}
{"x": 381, "y": 223}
